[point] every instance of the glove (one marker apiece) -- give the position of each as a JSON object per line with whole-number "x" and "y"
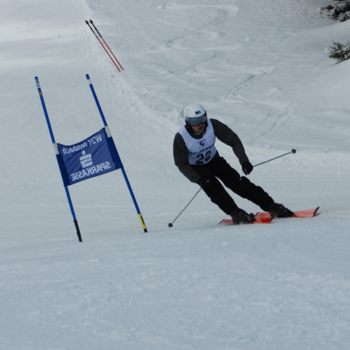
{"x": 204, "y": 183}
{"x": 247, "y": 168}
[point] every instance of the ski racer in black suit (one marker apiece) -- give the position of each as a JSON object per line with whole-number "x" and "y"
{"x": 197, "y": 158}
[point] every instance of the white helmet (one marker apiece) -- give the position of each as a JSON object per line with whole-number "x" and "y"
{"x": 195, "y": 114}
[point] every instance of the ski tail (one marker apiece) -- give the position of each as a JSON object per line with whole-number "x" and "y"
{"x": 310, "y": 213}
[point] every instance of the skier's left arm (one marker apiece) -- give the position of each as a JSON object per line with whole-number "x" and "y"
{"x": 229, "y": 138}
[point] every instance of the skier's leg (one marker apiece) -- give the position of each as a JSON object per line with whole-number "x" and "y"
{"x": 216, "y": 192}
{"x": 255, "y": 194}
{"x": 241, "y": 185}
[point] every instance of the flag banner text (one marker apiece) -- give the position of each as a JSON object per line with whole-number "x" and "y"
{"x": 94, "y": 156}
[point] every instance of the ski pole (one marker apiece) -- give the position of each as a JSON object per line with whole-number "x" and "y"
{"x": 292, "y": 151}
{"x": 106, "y": 44}
{"x": 102, "y": 45}
{"x": 171, "y": 223}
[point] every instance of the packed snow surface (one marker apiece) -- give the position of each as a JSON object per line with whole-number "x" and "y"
{"x": 262, "y": 68}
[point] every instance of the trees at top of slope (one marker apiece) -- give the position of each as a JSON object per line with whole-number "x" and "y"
{"x": 340, "y": 11}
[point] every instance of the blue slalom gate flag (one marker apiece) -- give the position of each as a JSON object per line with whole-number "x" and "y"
{"x": 94, "y": 156}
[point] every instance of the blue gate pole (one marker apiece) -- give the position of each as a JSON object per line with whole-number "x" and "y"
{"x": 122, "y": 168}
{"x": 57, "y": 154}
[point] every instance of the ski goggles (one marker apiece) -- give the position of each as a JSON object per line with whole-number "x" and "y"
{"x": 198, "y": 120}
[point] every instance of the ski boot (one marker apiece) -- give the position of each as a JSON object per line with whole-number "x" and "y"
{"x": 280, "y": 211}
{"x": 240, "y": 216}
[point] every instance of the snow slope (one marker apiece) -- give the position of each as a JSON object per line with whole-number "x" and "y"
{"x": 260, "y": 67}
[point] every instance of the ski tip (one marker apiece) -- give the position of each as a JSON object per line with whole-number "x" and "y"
{"x": 316, "y": 210}
{"x": 91, "y": 21}
{"x": 86, "y": 22}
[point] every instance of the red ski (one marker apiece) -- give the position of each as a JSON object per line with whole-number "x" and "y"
{"x": 258, "y": 220}
{"x": 297, "y": 214}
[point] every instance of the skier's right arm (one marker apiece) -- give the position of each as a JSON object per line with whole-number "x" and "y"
{"x": 181, "y": 160}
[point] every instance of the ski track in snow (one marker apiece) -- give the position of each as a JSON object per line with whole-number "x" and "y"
{"x": 224, "y": 13}
{"x": 197, "y": 285}
{"x": 275, "y": 118}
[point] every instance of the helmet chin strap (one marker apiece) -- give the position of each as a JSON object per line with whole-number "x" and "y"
{"x": 199, "y": 133}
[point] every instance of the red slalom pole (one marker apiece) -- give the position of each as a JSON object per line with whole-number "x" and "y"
{"x": 103, "y": 46}
{"x": 106, "y": 44}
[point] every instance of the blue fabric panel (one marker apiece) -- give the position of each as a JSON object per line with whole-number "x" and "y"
{"x": 63, "y": 170}
{"x": 114, "y": 153}
{"x": 88, "y": 158}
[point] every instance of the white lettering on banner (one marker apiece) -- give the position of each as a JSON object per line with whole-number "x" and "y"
{"x": 81, "y": 146}
{"x": 90, "y": 171}
{"x": 75, "y": 148}
{"x": 95, "y": 139}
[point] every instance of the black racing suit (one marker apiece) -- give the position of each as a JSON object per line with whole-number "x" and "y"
{"x": 218, "y": 168}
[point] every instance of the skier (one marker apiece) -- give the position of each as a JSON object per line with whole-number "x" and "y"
{"x": 197, "y": 158}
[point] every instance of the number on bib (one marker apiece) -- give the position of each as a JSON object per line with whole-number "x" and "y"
{"x": 203, "y": 159}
